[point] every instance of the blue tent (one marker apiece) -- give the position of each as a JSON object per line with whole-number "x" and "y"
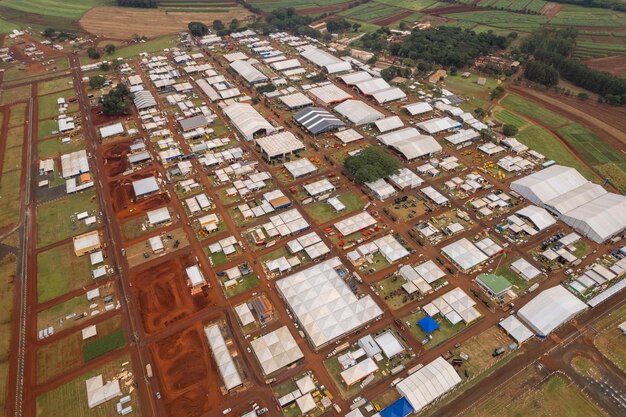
{"x": 428, "y": 324}
{"x": 400, "y": 408}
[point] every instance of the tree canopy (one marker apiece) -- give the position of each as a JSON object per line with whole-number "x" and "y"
{"x": 198, "y": 28}
{"x": 117, "y": 102}
{"x": 147, "y": 4}
{"x": 371, "y": 164}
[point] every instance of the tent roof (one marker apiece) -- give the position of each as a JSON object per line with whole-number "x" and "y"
{"x": 428, "y": 324}
{"x": 358, "y": 112}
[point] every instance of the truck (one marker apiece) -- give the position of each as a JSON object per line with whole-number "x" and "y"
{"x": 533, "y": 287}
{"x": 149, "y": 371}
{"x": 498, "y": 351}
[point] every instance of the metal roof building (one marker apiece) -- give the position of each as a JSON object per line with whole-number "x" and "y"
{"x": 418, "y": 108}
{"x": 248, "y": 72}
{"x": 279, "y": 144}
{"x": 537, "y": 216}
{"x": 225, "y": 363}
{"x": 437, "y": 125}
{"x": 295, "y": 100}
{"x": 464, "y": 253}
{"x": 276, "y": 350}
{"x": 428, "y": 383}
{"x": 317, "y": 120}
{"x": 247, "y": 120}
{"x": 516, "y": 329}
{"x": 194, "y": 122}
{"x": 73, "y": 164}
{"x": 145, "y": 186}
{"x": 286, "y": 64}
{"x": 324, "y": 304}
{"x": 355, "y": 223}
{"x": 389, "y": 123}
{"x": 550, "y": 309}
{"x": 358, "y": 112}
{"x": 354, "y": 78}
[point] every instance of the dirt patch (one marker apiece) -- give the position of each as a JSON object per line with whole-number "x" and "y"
{"x": 123, "y": 23}
{"x": 615, "y": 65}
{"x": 551, "y": 9}
{"x": 162, "y": 294}
{"x": 99, "y": 118}
{"x": 392, "y": 19}
{"x": 115, "y": 158}
{"x": 189, "y": 382}
{"x": 123, "y": 197}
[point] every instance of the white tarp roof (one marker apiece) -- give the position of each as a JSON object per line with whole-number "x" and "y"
{"x": 389, "y": 123}
{"x": 359, "y": 371}
{"x": 410, "y": 143}
{"x": 159, "y": 215}
{"x": 428, "y": 383}
{"x": 295, "y": 100}
{"x": 306, "y": 403}
{"x": 389, "y": 343}
{"x": 98, "y": 392}
{"x": 145, "y": 186}
{"x": 355, "y": 223}
{"x": 111, "y": 130}
{"x": 224, "y": 360}
{"x": 464, "y": 253}
{"x": 358, "y": 112}
{"x": 247, "y": 120}
{"x": 356, "y": 77}
{"x": 538, "y": 216}
{"x": 516, "y": 329}
{"x": 348, "y": 135}
{"x": 248, "y": 72}
{"x": 437, "y": 125}
{"x": 74, "y": 163}
{"x": 323, "y": 59}
{"x": 369, "y": 87}
{"x": 319, "y": 187}
{"x": 418, "y": 108}
{"x": 300, "y": 167}
{"x": 389, "y": 94}
{"x": 599, "y": 219}
{"x": 405, "y": 178}
{"x": 244, "y": 314}
{"x": 281, "y": 143}
{"x": 527, "y": 270}
{"x": 550, "y": 309}
{"x": 324, "y": 304}
{"x": 329, "y": 93}
{"x": 547, "y": 184}
{"x": 276, "y": 350}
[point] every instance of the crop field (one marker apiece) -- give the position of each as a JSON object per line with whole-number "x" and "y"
{"x": 214, "y": 6}
{"x": 371, "y": 12}
{"x": 502, "y": 19}
{"x": 66, "y": 9}
{"x": 591, "y": 49}
{"x": 514, "y": 5}
{"x": 584, "y": 16}
{"x": 7, "y": 273}
{"x": 269, "y": 5}
{"x": 416, "y": 5}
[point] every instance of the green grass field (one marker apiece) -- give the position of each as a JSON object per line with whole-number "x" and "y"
{"x": 370, "y": 12}
{"x": 507, "y": 117}
{"x": 55, "y": 218}
{"x": 67, "y": 9}
{"x": 514, "y": 5}
{"x": 66, "y": 354}
{"x": 14, "y": 94}
{"x": 70, "y": 399}
{"x": 103, "y": 345}
{"x": 590, "y": 49}
{"x": 11, "y": 178}
{"x": 586, "y": 16}
{"x": 7, "y": 272}
{"x": 48, "y": 106}
{"x": 18, "y": 114}
{"x": 269, "y": 5}
{"x": 60, "y": 271}
{"x": 322, "y": 212}
{"x": 502, "y": 19}
{"x": 52, "y": 147}
{"x": 249, "y": 281}
{"x": 446, "y": 329}
{"x": 416, "y": 5}
{"x": 154, "y": 45}
{"x": 53, "y": 86}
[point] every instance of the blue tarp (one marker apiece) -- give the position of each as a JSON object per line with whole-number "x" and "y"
{"x": 400, "y": 408}
{"x": 428, "y": 324}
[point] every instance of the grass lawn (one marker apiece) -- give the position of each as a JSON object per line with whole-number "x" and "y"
{"x": 103, "y": 345}
{"x": 60, "y": 271}
{"x": 52, "y": 147}
{"x": 502, "y": 19}
{"x": 56, "y": 219}
{"x": 53, "y": 86}
{"x": 392, "y": 293}
{"x": 610, "y": 341}
{"x": 322, "y": 212}
{"x": 245, "y": 283}
{"x": 480, "y": 348}
{"x": 507, "y": 117}
{"x": 7, "y": 273}
{"x": 70, "y": 399}
{"x": 407, "y": 210}
{"x": 220, "y": 258}
{"x": 526, "y": 108}
{"x": 153, "y": 45}
{"x": 18, "y": 115}
{"x": 48, "y": 106}
{"x": 523, "y": 396}
{"x": 445, "y": 331}
{"x": 47, "y": 127}
{"x": 14, "y": 94}
{"x": 66, "y": 354}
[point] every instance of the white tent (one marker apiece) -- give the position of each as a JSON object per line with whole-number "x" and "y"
{"x": 358, "y": 112}
{"x": 428, "y": 383}
{"x": 525, "y": 269}
{"x": 224, "y": 360}
{"x": 324, "y": 304}
{"x": 516, "y": 329}
{"x": 276, "y": 350}
{"x": 537, "y": 216}
{"x": 247, "y": 120}
{"x": 355, "y": 223}
{"x": 464, "y": 254}
{"x": 550, "y": 309}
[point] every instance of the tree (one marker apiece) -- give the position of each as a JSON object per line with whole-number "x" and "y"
{"x": 197, "y": 29}
{"x": 218, "y": 24}
{"x": 497, "y": 92}
{"x": 109, "y": 48}
{"x": 583, "y": 96}
{"x": 509, "y": 130}
{"x": 49, "y": 32}
{"x": 96, "y": 82}
{"x": 371, "y": 164}
{"x": 478, "y": 111}
{"x": 541, "y": 73}
{"x": 93, "y": 53}
{"x": 372, "y": 60}
{"x": 117, "y": 102}
{"x": 267, "y": 88}
{"x": 356, "y": 26}
{"x": 234, "y": 24}
{"x": 403, "y": 26}
{"x": 105, "y": 67}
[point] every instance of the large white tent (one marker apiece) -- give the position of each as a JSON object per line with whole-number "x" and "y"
{"x": 248, "y": 72}
{"x": 464, "y": 254}
{"x": 224, "y": 360}
{"x": 276, "y": 350}
{"x": 550, "y": 309}
{"x": 355, "y": 223}
{"x": 325, "y": 60}
{"x": 247, "y": 120}
{"x": 537, "y": 216}
{"x": 410, "y": 143}
{"x": 428, "y": 383}
{"x": 358, "y": 112}
{"x": 516, "y": 329}
{"x": 585, "y": 206}
{"x": 324, "y": 304}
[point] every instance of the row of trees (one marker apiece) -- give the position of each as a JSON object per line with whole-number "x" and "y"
{"x": 371, "y": 164}
{"x": 552, "y": 48}
{"x": 603, "y": 4}
{"x": 144, "y": 4}
{"x": 341, "y": 26}
{"x": 286, "y": 19}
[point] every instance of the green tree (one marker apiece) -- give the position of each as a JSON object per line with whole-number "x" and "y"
{"x": 197, "y": 28}
{"x": 96, "y": 82}
{"x": 583, "y": 96}
{"x": 509, "y": 130}
{"x": 218, "y": 24}
{"x": 117, "y": 102}
{"x": 497, "y": 92}
{"x": 93, "y": 53}
{"x": 109, "y": 48}
{"x": 371, "y": 164}
{"x": 105, "y": 67}
{"x": 234, "y": 24}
